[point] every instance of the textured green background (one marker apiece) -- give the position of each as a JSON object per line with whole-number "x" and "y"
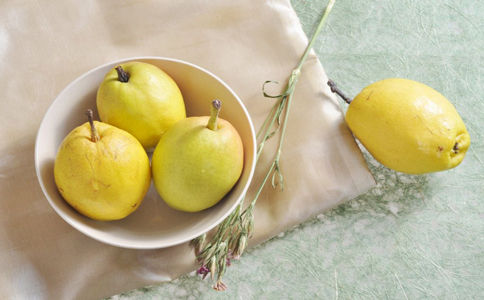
{"x": 411, "y": 237}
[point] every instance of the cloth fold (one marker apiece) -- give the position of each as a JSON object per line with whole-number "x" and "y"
{"x": 45, "y": 45}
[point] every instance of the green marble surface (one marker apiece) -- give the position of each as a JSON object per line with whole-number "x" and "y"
{"x": 410, "y": 237}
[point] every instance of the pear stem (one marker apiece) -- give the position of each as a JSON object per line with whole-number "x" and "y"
{"x": 123, "y": 76}
{"x": 336, "y": 90}
{"x": 94, "y": 135}
{"x": 214, "y": 111}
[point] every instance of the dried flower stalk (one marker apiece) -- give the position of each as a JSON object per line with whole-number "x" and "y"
{"x": 232, "y": 235}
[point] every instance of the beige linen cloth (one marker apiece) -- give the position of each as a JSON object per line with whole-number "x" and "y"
{"x": 44, "y": 45}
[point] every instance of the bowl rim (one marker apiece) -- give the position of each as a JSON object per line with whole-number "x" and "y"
{"x": 151, "y": 245}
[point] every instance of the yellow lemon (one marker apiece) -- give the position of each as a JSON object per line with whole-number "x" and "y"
{"x": 408, "y": 126}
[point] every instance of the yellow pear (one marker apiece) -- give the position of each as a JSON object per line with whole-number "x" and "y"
{"x": 101, "y": 171}
{"x": 197, "y": 162}
{"x": 408, "y": 126}
{"x": 141, "y": 99}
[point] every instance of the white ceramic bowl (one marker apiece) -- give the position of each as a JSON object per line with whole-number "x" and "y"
{"x": 154, "y": 224}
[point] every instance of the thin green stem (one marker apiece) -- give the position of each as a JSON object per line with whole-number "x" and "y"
{"x": 263, "y": 183}
{"x": 316, "y": 33}
{"x": 288, "y": 107}
{"x": 273, "y": 110}
{"x": 268, "y": 131}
